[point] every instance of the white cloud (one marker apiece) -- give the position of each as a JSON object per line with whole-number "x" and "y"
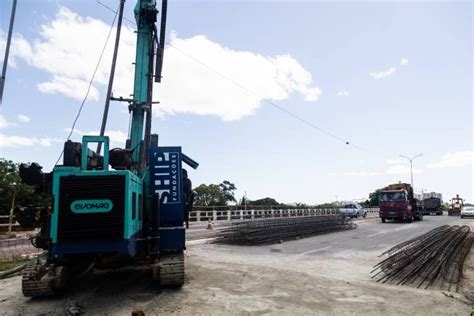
{"x": 189, "y": 87}
{"x": 117, "y": 138}
{"x": 9, "y": 141}
{"x": 394, "y": 161}
{"x": 383, "y": 74}
{"x": 74, "y": 88}
{"x": 362, "y": 173}
{"x": 24, "y": 118}
{"x": 19, "y": 49}
{"x": 357, "y": 173}
{"x": 456, "y": 159}
{"x": 377, "y": 75}
{"x": 67, "y": 51}
{"x": 3, "y": 122}
{"x": 343, "y": 93}
{"x": 401, "y": 169}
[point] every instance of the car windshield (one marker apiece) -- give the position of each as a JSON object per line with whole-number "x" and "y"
{"x": 392, "y": 196}
{"x": 469, "y": 208}
{"x": 349, "y": 206}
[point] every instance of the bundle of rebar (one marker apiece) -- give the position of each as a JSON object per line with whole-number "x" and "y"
{"x": 432, "y": 259}
{"x": 274, "y": 230}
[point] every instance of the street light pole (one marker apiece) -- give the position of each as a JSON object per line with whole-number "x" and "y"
{"x": 245, "y": 200}
{"x": 411, "y": 166}
{"x": 10, "y": 219}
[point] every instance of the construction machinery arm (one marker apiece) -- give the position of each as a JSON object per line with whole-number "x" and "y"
{"x": 146, "y": 17}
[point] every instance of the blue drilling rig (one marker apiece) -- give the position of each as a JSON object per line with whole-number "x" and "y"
{"x": 128, "y": 202}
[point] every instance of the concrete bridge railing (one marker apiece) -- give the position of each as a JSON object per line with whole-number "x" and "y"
{"x": 220, "y": 214}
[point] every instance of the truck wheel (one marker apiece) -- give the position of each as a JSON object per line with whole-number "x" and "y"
{"x": 383, "y": 220}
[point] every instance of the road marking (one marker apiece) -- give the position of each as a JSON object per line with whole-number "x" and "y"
{"x": 376, "y": 234}
{"x": 308, "y": 252}
{"x": 199, "y": 241}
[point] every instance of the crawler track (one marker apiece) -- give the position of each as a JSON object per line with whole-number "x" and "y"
{"x": 39, "y": 279}
{"x": 432, "y": 259}
{"x": 171, "y": 269}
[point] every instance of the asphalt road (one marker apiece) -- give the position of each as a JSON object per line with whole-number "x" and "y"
{"x": 362, "y": 245}
{"x": 370, "y": 235}
{"x": 320, "y": 275}
{"x": 325, "y": 274}
{"x": 198, "y": 231}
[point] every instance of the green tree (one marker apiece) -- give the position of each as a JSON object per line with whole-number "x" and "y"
{"x": 215, "y": 194}
{"x": 227, "y": 189}
{"x": 327, "y": 205}
{"x": 10, "y": 183}
{"x": 374, "y": 198}
{"x": 300, "y": 205}
{"x": 263, "y": 202}
{"x": 209, "y": 195}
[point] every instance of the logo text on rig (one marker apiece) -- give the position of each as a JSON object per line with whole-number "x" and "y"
{"x": 92, "y": 206}
{"x": 167, "y": 177}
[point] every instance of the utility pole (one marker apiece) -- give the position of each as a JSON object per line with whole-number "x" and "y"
{"x": 245, "y": 200}
{"x": 112, "y": 75}
{"x": 7, "y": 50}
{"x": 10, "y": 219}
{"x": 411, "y": 167}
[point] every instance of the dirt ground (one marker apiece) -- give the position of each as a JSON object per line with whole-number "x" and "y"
{"x": 274, "y": 280}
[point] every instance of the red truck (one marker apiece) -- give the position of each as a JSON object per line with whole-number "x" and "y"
{"x": 397, "y": 203}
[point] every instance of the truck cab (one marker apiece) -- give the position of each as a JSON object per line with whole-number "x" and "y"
{"x": 395, "y": 205}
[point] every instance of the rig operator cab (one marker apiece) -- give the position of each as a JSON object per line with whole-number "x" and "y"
{"x": 396, "y": 202}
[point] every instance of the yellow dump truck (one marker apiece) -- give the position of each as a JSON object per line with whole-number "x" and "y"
{"x": 456, "y": 204}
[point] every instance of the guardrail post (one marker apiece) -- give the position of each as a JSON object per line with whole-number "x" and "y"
{"x": 252, "y": 214}
{"x": 198, "y": 217}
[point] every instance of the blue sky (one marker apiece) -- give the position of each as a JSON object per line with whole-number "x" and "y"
{"x": 393, "y": 78}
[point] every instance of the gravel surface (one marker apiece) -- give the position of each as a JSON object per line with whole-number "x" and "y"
{"x": 322, "y": 275}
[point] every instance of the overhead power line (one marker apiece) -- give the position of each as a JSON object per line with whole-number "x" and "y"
{"x": 116, "y": 12}
{"x": 275, "y": 105}
{"x": 91, "y": 81}
{"x": 268, "y": 101}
